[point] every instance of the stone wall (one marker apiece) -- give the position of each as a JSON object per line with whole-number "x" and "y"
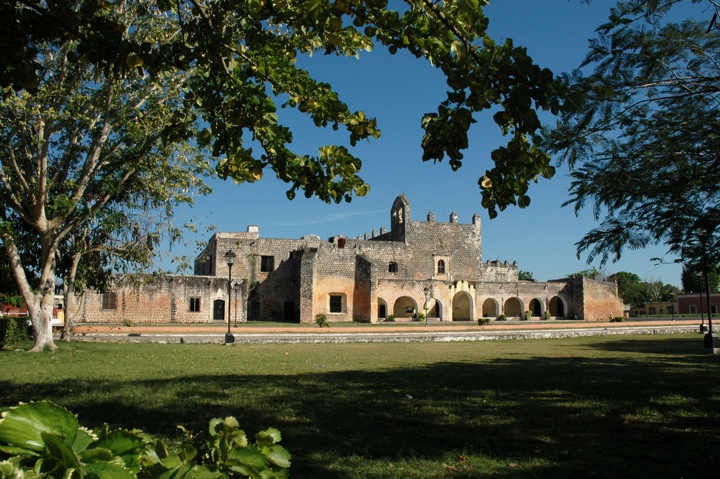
{"x": 159, "y": 299}
{"x": 599, "y": 299}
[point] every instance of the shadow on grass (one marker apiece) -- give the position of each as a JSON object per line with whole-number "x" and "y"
{"x": 678, "y": 346}
{"x": 529, "y": 417}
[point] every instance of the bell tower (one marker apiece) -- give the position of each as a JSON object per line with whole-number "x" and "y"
{"x": 399, "y": 218}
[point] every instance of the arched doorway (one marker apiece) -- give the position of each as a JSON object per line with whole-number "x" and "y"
{"x": 513, "y": 307}
{"x": 535, "y": 308}
{"x": 404, "y": 307}
{"x": 435, "y": 310}
{"x": 462, "y": 307}
{"x": 557, "y": 307}
{"x": 490, "y": 308}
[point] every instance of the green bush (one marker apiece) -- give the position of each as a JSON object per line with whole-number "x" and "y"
{"x": 44, "y": 440}
{"x": 13, "y": 329}
{"x": 390, "y": 318}
{"x": 547, "y": 315}
{"x": 502, "y": 317}
{"x": 321, "y": 320}
{"x": 527, "y": 315}
{"x": 616, "y": 319}
{"x": 483, "y": 321}
{"x": 129, "y": 323}
{"x": 420, "y": 317}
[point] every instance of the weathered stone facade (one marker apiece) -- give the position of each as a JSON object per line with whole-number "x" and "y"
{"x": 364, "y": 279}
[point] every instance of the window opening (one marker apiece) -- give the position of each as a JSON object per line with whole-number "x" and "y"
{"x": 267, "y": 264}
{"x": 441, "y": 267}
{"x": 194, "y": 305}
{"x": 335, "y": 303}
{"x": 393, "y": 267}
{"x": 109, "y": 300}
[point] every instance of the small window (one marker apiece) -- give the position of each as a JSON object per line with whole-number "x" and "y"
{"x": 267, "y": 264}
{"x": 109, "y": 300}
{"x": 441, "y": 267}
{"x": 713, "y": 308}
{"x": 335, "y": 303}
{"x": 393, "y": 267}
{"x": 693, "y": 309}
{"x": 194, "y": 305}
{"x": 652, "y": 310}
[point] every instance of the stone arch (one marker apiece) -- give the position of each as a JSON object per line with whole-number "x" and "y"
{"x": 404, "y": 307}
{"x": 462, "y": 306}
{"x": 490, "y": 308}
{"x": 558, "y": 308}
{"x": 513, "y": 307}
{"x": 435, "y": 310}
{"x": 382, "y": 308}
{"x": 535, "y": 307}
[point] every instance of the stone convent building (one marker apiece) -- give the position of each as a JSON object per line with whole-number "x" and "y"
{"x": 416, "y": 266}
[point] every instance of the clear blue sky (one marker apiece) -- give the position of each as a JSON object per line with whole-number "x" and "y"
{"x": 397, "y": 90}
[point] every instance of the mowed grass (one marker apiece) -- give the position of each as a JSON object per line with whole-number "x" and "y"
{"x": 612, "y": 406}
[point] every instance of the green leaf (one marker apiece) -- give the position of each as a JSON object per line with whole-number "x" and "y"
{"x": 268, "y": 437}
{"x": 23, "y": 426}
{"x": 278, "y": 455}
{"x": 59, "y": 451}
{"x": 121, "y": 442}
{"x": 104, "y": 470}
{"x": 248, "y": 457}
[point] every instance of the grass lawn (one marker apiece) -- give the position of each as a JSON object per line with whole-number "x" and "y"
{"x": 612, "y": 406}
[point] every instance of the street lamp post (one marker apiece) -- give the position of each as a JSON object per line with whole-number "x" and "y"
{"x": 427, "y": 292}
{"x": 236, "y": 287}
{"x": 229, "y": 259}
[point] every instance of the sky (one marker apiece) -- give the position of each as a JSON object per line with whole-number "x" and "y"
{"x": 398, "y": 90}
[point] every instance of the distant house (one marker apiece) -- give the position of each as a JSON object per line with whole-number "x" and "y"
{"x": 696, "y": 303}
{"x": 656, "y": 308}
{"x": 414, "y": 268}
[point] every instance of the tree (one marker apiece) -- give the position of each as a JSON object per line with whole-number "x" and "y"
{"x": 525, "y": 276}
{"x": 588, "y": 273}
{"x": 75, "y": 149}
{"x": 642, "y": 141}
{"x": 243, "y": 55}
{"x": 693, "y": 281}
{"x": 628, "y": 287}
{"x": 100, "y": 94}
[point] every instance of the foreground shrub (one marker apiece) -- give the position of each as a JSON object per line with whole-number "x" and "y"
{"x": 483, "y": 321}
{"x": 44, "y": 440}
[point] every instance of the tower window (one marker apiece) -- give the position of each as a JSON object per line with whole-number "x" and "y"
{"x": 267, "y": 264}
{"x": 441, "y": 267}
{"x": 393, "y": 267}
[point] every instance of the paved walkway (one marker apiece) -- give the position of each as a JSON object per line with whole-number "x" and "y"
{"x": 382, "y": 332}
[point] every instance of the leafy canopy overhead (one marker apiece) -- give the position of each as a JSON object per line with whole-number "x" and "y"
{"x": 642, "y": 141}
{"x": 242, "y": 59}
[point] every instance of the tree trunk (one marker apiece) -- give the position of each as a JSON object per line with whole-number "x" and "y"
{"x": 69, "y": 290}
{"x": 41, "y": 316}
